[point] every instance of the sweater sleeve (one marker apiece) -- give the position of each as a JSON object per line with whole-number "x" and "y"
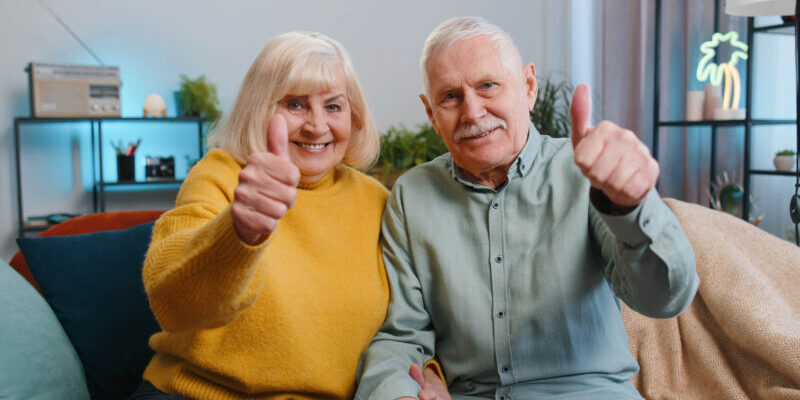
{"x": 198, "y": 273}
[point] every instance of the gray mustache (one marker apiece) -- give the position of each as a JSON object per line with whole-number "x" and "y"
{"x": 469, "y": 130}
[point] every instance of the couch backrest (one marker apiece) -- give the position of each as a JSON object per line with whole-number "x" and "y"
{"x": 105, "y": 221}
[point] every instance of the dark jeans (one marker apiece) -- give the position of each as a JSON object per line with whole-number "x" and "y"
{"x": 147, "y": 391}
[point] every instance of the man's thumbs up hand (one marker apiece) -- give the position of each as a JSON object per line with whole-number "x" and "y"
{"x": 267, "y": 187}
{"x": 613, "y": 158}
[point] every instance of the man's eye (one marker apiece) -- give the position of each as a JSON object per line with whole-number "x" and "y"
{"x": 488, "y": 85}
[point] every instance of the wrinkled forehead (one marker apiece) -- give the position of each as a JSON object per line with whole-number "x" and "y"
{"x": 471, "y": 59}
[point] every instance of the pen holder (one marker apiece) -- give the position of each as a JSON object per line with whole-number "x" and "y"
{"x": 125, "y": 168}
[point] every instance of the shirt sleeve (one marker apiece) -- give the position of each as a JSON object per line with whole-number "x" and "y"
{"x": 407, "y": 334}
{"x": 649, "y": 260}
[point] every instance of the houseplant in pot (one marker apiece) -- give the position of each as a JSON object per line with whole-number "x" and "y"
{"x": 784, "y": 160}
{"x": 198, "y": 98}
{"x": 402, "y": 149}
{"x": 550, "y": 114}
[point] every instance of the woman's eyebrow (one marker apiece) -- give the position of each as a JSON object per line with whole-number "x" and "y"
{"x": 334, "y": 97}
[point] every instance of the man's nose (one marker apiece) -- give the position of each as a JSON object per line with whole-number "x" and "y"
{"x": 472, "y": 108}
{"x": 315, "y": 123}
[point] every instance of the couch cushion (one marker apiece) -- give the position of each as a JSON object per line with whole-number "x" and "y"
{"x": 104, "y": 221}
{"x": 93, "y": 282}
{"x": 36, "y": 358}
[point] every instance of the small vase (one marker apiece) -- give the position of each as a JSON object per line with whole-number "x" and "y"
{"x": 784, "y": 163}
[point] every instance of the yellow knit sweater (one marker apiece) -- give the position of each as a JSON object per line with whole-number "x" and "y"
{"x": 287, "y": 319}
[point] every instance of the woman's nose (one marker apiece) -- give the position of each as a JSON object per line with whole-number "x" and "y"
{"x": 315, "y": 123}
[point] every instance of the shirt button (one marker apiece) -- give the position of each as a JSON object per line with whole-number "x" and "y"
{"x": 505, "y": 369}
{"x": 646, "y": 222}
{"x": 500, "y": 314}
{"x": 498, "y": 259}
{"x": 502, "y": 397}
{"x": 496, "y": 206}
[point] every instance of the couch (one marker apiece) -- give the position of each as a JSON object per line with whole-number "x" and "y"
{"x": 96, "y": 316}
{"x": 740, "y": 338}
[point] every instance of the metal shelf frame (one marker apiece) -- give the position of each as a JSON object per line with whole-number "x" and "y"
{"x": 96, "y": 134}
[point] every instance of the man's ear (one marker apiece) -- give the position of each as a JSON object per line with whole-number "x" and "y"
{"x": 531, "y": 86}
{"x": 429, "y": 111}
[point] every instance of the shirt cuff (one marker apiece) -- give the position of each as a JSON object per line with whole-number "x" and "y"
{"x": 637, "y": 227}
{"x": 434, "y": 365}
{"x": 391, "y": 389}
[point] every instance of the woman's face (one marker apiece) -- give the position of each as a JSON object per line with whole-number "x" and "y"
{"x": 319, "y": 129}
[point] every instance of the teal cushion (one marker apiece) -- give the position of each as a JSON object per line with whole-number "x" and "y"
{"x": 93, "y": 283}
{"x": 36, "y": 358}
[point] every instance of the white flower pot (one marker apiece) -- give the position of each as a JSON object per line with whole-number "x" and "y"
{"x": 784, "y": 163}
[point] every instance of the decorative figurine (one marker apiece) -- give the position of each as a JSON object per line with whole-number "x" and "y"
{"x": 154, "y": 105}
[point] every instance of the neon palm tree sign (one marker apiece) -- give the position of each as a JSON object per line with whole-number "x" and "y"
{"x": 707, "y": 70}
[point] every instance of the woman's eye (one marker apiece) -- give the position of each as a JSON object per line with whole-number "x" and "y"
{"x": 334, "y": 107}
{"x": 294, "y": 105}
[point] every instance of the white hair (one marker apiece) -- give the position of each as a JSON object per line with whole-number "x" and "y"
{"x": 459, "y": 28}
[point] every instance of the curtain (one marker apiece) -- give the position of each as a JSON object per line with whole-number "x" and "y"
{"x": 628, "y": 57}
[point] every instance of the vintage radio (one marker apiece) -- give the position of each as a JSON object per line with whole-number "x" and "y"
{"x": 62, "y": 90}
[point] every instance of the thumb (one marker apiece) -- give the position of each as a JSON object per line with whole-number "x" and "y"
{"x": 416, "y": 373}
{"x": 580, "y": 113}
{"x": 278, "y": 137}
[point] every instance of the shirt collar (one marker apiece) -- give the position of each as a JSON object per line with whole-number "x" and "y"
{"x": 521, "y": 166}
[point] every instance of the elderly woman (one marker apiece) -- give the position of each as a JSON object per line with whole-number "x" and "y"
{"x": 266, "y": 277}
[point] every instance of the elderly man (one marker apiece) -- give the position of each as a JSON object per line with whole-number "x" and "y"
{"x": 507, "y": 257}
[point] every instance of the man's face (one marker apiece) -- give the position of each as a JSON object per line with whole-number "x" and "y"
{"x": 480, "y": 105}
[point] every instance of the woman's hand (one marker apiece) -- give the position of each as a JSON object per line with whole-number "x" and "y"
{"x": 267, "y": 187}
{"x": 432, "y": 386}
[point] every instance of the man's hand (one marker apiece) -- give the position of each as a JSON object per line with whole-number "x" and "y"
{"x": 613, "y": 158}
{"x": 267, "y": 187}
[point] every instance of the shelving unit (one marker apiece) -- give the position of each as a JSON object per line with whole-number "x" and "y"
{"x": 747, "y": 123}
{"x": 99, "y": 184}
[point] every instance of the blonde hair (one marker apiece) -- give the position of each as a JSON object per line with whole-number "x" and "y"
{"x": 295, "y": 63}
{"x": 459, "y": 28}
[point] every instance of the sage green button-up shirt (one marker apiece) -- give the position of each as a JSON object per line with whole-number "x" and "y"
{"x": 516, "y": 291}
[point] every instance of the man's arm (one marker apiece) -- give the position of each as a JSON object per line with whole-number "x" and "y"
{"x": 407, "y": 336}
{"x": 650, "y": 262}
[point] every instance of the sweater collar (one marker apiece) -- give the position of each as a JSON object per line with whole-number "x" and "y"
{"x": 325, "y": 182}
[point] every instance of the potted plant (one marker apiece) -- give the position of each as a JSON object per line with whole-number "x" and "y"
{"x": 402, "y": 149}
{"x": 784, "y": 160}
{"x": 550, "y": 114}
{"x": 198, "y": 98}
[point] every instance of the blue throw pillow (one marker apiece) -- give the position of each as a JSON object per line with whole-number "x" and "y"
{"x": 37, "y": 361}
{"x": 93, "y": 282}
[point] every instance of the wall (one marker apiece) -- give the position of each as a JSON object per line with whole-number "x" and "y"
{"x": 153, "y": 42}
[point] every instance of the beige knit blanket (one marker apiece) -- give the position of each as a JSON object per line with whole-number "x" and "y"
{"x": 740, "y": 337}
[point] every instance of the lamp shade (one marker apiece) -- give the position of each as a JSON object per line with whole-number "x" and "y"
{"x": 752, "y": 8}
